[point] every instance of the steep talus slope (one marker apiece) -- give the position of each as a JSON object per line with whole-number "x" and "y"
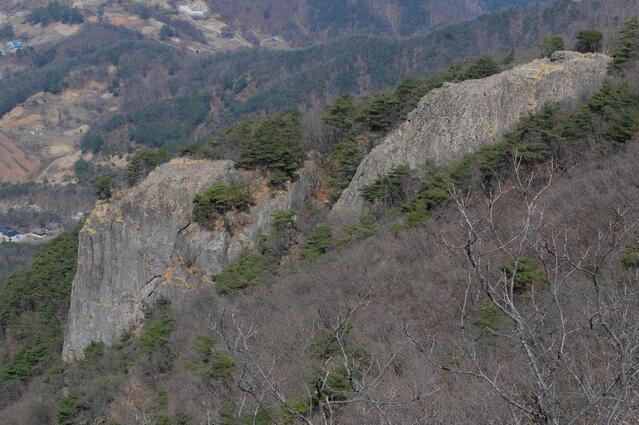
{"x": 145, "y": 245}
{"x": 459, "y": 118}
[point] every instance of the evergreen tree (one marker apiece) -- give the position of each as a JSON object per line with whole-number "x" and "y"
{"x": 344, "y": 161}
{"x": 276, "y": 145}
{"x": 589, "y": 41}
{"x": 340, "y": 117}
{"x": 551, "y": 44}
{"x": 380, "y": 113}
{"x": 482, "y": 68}
{"x": 104, "y": 186}
{"x": 143, "y": 162}
{"x": 627, "y": 47}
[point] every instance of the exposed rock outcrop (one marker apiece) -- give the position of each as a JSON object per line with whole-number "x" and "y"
{"x": 459, "y": 118}
{"x": 144, "y": 245}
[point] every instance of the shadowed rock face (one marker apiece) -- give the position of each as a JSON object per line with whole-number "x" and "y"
{"x": 459, "y": 118}
{"x": 144, "y": 245}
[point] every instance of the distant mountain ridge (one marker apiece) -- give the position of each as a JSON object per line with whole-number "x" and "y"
{"x": 306, "y": 21}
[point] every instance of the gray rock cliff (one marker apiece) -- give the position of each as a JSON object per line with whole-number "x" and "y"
{"x": 459, "y": 118}
{"x": 144, "y": 245}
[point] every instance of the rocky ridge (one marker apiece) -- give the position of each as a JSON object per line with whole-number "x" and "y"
{"x": 459, "y": 118}
{"x": 143, "y": 244}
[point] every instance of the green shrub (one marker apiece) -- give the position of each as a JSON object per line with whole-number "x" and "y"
{"x": 630, "y": 258}
{"x": 55, "y": 12}
{"x": 156, "y": 328}
{"x": 332, "y": 384}
{"x": 340, "y": 117}
{"x": 204, "y": 346}
{"x": 219, "y": 200}
{"x": 379, "y": 113}
{"x": 104, "y": 186}
{"x": 264, "y": 259}
{"x": 93, "y": 352}
{"x": 490, "y": 318}
{"x": 166, "y": 32}
{"x": 481, "y": 68}
{"x": 168, "y": 123}
{"x": 221, "y": 366}
{"x": 281, "y": 236}
{"x": 319, "y": 242}
{"x": 143, "y": 162}
{"x": 524, "y": 276}
{"x": 325, "y": 345}
{"x": 301, "y": 406}
{"x": 68, "y": 408}
{"x": 343, "y": 164}
{"x": 24, "y": 363}
{"x": 227, "y": 415}
{"x": 32, "y": 304}
{"x": 7, "y": 32}
{"x": 366, "y": 228}
{"x": 244, "y": 272}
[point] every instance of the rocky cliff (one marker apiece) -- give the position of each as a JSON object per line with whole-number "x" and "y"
{"x": 459, "y": 118}
{"x": 144, "y": 245}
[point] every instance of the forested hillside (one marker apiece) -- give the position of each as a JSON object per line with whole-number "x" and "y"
{"x": 309, "y": 21}
{"x": 264, "y": 81}
{"x": 497, "y": 287}
{"x": 141, "y": 92}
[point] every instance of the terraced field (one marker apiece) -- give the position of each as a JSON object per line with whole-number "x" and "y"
{"x": 15, "y": 165}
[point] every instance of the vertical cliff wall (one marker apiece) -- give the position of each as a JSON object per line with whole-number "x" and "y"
{"x": 145, "y": 245}
{"x": 459, "y": 118}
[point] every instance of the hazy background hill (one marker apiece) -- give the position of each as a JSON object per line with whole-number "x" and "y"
{"x": 306, "y": 21}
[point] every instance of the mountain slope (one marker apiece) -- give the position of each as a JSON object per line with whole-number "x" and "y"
{"x": 307, "y": 21}
{"x": 128, "y": 254}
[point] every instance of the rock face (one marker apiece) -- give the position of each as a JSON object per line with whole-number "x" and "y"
{"x": 145, "y": 245}
{"x": 459, "y": 118}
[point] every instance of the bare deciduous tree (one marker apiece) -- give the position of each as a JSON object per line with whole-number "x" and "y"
{"x": 572, "y": 323}
{"x": 346, "y": 376}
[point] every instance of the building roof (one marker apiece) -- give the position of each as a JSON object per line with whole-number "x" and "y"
{"x": 8, "y": 231}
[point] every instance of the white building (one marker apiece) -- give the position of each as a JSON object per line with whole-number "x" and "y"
{"x": 193, "y": 12}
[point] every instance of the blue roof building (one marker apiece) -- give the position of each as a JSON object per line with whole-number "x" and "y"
{"x": 8, "y": 232}
{"x": 16, "y": 44}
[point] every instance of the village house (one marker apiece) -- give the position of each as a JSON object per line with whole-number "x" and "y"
{"x": 15, "y": 45}
{"x": 7, "y": 234}
{"x": 193, "y": 12}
